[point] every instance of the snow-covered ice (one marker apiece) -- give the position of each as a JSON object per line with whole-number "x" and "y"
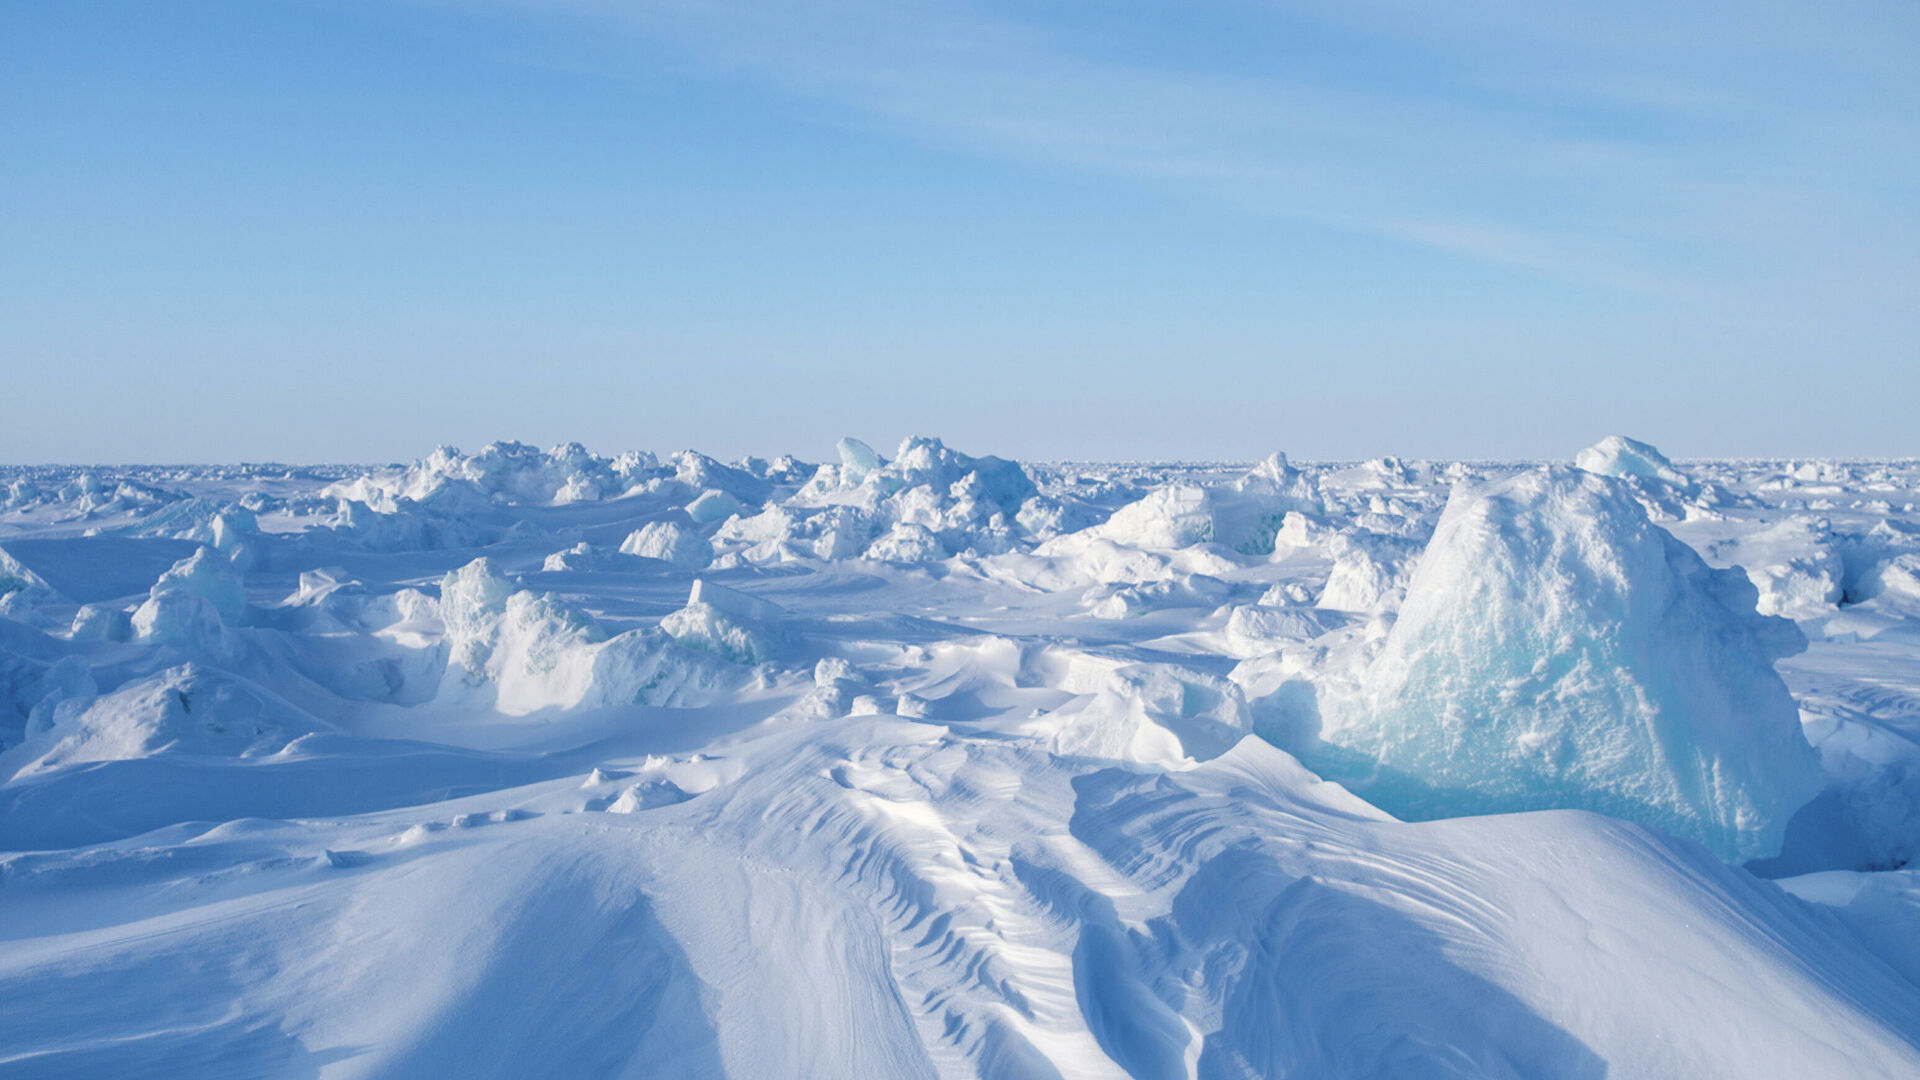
{"x": 1558, "y": 649}
{"x": 539, "y": 762}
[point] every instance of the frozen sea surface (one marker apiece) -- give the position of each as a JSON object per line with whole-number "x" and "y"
{"x": 925, "y": 764}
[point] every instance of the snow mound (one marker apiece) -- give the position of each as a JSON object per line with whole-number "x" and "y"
{"x": 1246, "y": 515}
{"x": 1182, "y": 591}
{"x": 671, "y": 542}
{"x": 1796, "y": 566}
{"x": 524, "y": 651}
{"x": 1175, "y": 516}
{"x": 21, "y": 589}
{"x": 1894, "y": 580}
{"x": 706, "y": 628}
{"x": 1558, "y": 650}
{"x": 206, "y": 575}
{"x": 1258, "y": 629}
{"x": 192, "y": 604}
{"x": 907, "y": 543}
{"x": 1369, "y": 575}
{"x": 188, "y": 709}
{"x": 1149, "y": 714}
{"x": 1630, "y": 459}
{"x": 586, "y": 558}
{"x": 965, "y": 503}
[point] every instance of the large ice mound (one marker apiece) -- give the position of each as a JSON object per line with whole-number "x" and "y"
{"x": 1558, "y": 649}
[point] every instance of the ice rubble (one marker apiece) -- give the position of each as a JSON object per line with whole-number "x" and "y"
{"x": 1244, "y": 516}
{"x": 1002, "y": 833}
{"x": 1557, "y": 649}
{"x": 507, "y": 470}
{"x": 925, "y": 503}
{"x": 523, "y": 651}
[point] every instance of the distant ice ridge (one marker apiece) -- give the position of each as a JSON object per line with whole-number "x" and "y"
{"x": 926, "y": 504}
{"x": 1558, "y": 649}
{"x": 1244, "y": 516}
{"x": 509, "y": 470}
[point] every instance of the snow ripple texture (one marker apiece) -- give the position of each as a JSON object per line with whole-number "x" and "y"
{"x": 535, "y": 762}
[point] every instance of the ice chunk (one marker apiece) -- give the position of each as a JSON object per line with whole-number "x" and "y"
{"x": 179, "y": 618}
{"x": 967, "y": 503}
{"x": 206, "y": 575}
{"x": 670, "y": 541}
{"x": 857, "y": 461}
{"x": 191, "y": 603}
{"x": 646, "y": 667}
{"x": 1257, "y": 630}
{"x": 20, "y": 588}
{"x": 1169, "y": 517}
{"x": 585, "y": 558}
{"x": 704, "y": 627}
{"x": 1558, "y": 649}
{"x": 97, "y": 622}
{"x": 1369, "y": 574}
{"x": 1617, "y": 455}
{"x": 472, "y": 601}
{"x": 1246, "y": 516}
{"x": 531, "y": 651}
{"x": 1796, "y": 567}
{"x": 907, "y": 543}
{"x": 1895, "y": 581}
{"x": 713, "y": 505}
{"x": 510, "y": 472}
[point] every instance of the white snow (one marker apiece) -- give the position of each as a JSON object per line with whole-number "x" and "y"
{"x": 542, "y": 762}
{"x": 1619, "y": 456}
{"x": 670, "y": 541}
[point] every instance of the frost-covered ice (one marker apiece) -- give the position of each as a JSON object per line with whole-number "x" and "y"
{"x": 538, "y": 762}
{"x": 1558, "y": 649}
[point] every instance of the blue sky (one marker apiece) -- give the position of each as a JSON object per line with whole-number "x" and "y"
{"x": 343, "y": 230}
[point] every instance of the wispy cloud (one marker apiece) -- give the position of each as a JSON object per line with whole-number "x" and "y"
{"x": 1632, "y": 145}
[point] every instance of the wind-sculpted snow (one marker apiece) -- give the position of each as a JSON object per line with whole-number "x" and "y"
{"x": 539, "y": 762}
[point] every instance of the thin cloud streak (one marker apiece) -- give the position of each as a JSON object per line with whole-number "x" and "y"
{"x": 1595, "y": 145}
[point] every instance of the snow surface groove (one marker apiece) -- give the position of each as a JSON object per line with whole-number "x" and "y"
{"x": 931, "y": 765}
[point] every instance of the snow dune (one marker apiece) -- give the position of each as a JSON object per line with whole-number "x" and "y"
{"x": 541, "y": 763}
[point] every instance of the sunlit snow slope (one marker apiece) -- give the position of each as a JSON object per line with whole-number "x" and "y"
{"x": 540, "y": 763}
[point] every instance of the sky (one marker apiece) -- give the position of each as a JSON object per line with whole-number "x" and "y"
{"x": 340, "y": 230}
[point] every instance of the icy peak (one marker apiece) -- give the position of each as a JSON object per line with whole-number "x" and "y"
{"x": 1557, "y": 649}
